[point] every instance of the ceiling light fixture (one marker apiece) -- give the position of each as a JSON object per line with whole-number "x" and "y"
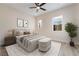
{"x": 38, "y": 7}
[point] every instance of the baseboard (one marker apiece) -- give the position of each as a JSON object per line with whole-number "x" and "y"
{"x": 76, "y": 43}
{"x": 60, "y": 41}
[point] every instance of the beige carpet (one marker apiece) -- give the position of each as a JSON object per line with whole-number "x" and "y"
{"x": 15, "y": 50}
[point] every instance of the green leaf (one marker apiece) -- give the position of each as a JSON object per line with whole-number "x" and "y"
{"x": 71, "y": 29}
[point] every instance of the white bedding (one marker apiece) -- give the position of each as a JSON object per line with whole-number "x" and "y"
{"x": 29, "y": 43}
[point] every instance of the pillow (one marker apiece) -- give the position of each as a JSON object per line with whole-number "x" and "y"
{"x": 25, "y": 33}
{"x": 18, "y": 33}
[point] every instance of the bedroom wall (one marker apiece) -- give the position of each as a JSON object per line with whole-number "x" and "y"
{"x": 77, "y": 21}
{"x": 68, "y": 13}
{"x": 8, "y": 20}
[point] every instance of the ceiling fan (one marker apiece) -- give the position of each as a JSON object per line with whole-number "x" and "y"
{"x": 38, "y": 6}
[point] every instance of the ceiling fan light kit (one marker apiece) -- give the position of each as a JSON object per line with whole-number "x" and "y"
{"x": 38, "y": 7}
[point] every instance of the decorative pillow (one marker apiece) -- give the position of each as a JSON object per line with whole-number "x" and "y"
{"x": 25, "y": 33}
{"x": 18, "y": 33}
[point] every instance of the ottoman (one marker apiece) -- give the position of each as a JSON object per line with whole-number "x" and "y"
{"x": 44, "y": 44}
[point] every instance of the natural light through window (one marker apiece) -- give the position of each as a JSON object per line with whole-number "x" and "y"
{"x": 57, "y": 23}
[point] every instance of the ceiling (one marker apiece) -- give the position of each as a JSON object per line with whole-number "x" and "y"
{"x": 24, "y": 7}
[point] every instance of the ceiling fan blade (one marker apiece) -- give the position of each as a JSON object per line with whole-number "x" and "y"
{"x": 43, "y": 9}
{"x": 42, "y": 4}
{"x": 37, "y": 4}
{"x": 32, "y": 7}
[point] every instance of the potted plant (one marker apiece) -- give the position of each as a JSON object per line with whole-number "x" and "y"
{"x": 71, "y": 29}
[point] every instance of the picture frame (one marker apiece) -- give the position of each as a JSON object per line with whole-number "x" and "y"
{"x": 19, "y": 22}
{"x": 25, "y": 23}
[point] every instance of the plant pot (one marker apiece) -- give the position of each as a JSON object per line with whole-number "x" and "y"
{"x": 72, "y": 44}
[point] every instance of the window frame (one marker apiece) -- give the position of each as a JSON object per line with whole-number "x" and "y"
{"x": 56, "y": 19}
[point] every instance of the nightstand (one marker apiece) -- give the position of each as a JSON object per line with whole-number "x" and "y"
{"x": 9, "y": 40}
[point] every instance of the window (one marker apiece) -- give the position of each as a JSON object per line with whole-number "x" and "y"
{"x": 57, "y": 23}
{"x": 20, "y": 22}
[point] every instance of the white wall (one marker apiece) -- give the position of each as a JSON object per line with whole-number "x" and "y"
{"x": 68, "y": 13}
{"x": 8, "y": 20}
{"x": 77, "y": 21}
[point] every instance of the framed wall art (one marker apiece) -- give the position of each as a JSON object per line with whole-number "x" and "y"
{"x": 19, "y": 22}
{"x": 25, "y": 23}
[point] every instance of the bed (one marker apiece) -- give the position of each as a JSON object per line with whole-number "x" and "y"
{"x": 29, "y": 42}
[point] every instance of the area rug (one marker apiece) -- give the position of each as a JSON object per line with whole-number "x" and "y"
{"x": 15, "y": 50}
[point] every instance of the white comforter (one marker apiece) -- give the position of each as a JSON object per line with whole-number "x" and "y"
{"x": 29, "y": 42}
